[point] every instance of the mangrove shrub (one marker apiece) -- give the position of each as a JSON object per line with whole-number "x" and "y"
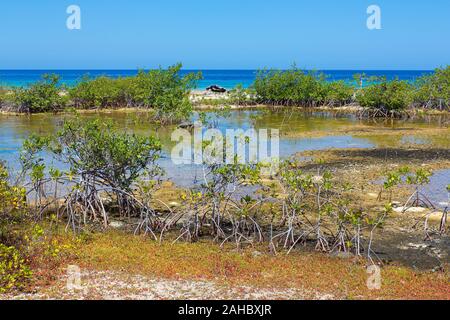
{"x": 43, "y": 96}
{"x": 95, "y": 148}
{"x": 104, "y": 166}
{"x": 433, "y": 91}
{"x": 165, "y": 91}
{"x": 101, "y": 92}
{"x": 295, "y": 87}
{"x": 338, "y": 93}
{"x": 386, "y": 97}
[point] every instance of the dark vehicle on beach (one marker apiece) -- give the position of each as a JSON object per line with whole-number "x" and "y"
{"x": 215, "y": 88}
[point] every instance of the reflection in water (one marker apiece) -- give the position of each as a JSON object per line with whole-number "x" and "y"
{"x": 14, "y": 129}
{"x": 436, "y": 190}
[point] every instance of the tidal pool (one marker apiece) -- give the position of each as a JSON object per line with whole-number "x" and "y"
{"x": 293, "y": 127}
{"x": 436, "y": 191}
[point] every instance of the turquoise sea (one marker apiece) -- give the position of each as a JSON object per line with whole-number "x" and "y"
{"x": 224, "y": 78}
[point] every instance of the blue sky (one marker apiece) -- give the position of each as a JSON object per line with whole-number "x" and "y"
{"x": 226, "y": 34}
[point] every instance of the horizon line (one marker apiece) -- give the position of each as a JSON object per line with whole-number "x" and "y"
{"x": 209, "y": 69}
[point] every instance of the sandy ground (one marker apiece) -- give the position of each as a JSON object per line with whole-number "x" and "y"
{"x": 105, "y": 285}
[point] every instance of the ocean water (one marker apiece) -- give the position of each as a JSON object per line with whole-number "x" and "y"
{"x": 225, "y": 78}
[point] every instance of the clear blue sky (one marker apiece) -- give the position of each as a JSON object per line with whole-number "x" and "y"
{"x": 228, "y": 34}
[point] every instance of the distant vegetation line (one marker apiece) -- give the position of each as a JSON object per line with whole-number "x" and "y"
{"x": 167, "y": 92}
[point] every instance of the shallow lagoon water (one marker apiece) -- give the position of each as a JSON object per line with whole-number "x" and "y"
{"x": 436, "y": 190}
{"x": 14, "y": 129}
